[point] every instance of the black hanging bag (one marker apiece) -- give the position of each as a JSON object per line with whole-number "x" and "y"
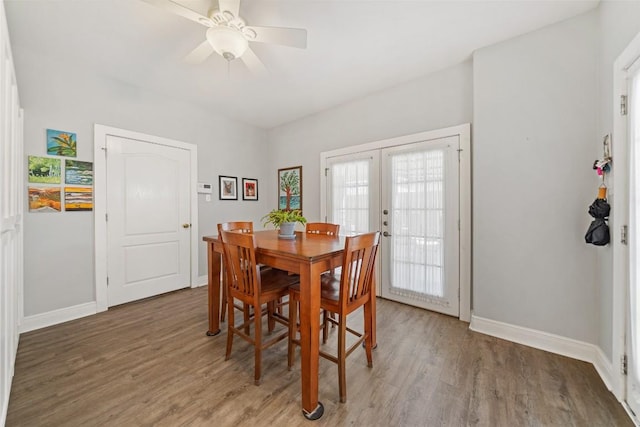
{"x": 599, "y": 208}
{"x": 598, "y": 233}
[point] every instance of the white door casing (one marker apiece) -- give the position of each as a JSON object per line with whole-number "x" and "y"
{"x": 633, "y": 319}
{"x": 619, "y": 196}
{"x": 141, "y": 245}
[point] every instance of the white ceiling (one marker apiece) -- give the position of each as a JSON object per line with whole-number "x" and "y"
{"x": 354, "y": 47}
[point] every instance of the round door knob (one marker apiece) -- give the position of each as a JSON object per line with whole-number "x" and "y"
{"x": 186, "y": 225}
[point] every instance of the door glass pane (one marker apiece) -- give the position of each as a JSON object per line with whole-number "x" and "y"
{"x": 417, "y": 229}
{"x": 350, "y": 196}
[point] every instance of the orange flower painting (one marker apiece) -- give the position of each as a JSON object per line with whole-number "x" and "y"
{"x": 61, "y": 143}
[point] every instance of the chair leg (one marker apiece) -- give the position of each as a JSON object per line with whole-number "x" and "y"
{"x": 342, "y": 356}
{"x": 293, "y": 326}
{"x": 257, "y": 344}
{"x": 325, "y": 326}
{"x": 230, "y": 324}
{"x": 368, "y": 321}
{"x": 247, "y": 316}
{"x": 223, "y": 308}
{"x": 271, "y": 323}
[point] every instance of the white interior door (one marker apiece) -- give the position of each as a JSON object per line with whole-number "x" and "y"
{"x": 420, "y": 214}
{"x": 633, "y": 327}
{"x": 12, "y": 191}
{"x": 148, "y": 219}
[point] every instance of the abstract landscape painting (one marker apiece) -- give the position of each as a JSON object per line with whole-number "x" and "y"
{"x": 78, "y": 199}
{"x": 78, "y": 173}
{"x": 44, "y": 199}
{"x": 44, "y": 170}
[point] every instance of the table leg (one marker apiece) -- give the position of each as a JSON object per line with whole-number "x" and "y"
{"x": 309, "y": 340}
{"x": 214, "y": 290}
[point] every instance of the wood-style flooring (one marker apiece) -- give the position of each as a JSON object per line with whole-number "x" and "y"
{"x": 150, "y": 363}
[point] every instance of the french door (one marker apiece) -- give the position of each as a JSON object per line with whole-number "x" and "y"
{"x": 420, "y": 224}
{"x": 410, "y": 192}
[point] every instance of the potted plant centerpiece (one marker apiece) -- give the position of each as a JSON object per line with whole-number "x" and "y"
{"x": 285, "y": 220}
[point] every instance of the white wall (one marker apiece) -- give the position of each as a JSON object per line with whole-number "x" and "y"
{"x": 439, "y": 100}
{"x": 534, "y": 123}
{"x": 619, "y": 23}
{"x": 59, "y": 246}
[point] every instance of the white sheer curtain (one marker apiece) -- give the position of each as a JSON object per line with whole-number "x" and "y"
{"x": 350, "y": 196}
{"x": 417, "y": 223}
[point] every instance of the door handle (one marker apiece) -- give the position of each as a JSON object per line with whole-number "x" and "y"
{"x": 186, "y": 225}
{"x": 386, "y": 234}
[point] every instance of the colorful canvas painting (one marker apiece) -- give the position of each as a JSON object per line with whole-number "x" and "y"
{"x": 290, "y": 188}
{"x": 44, "y": 170}
{"x": 78, "y": 199}
{"x": 78, "y": 173}
{"x": 44, "y": 199}
{"x": 60, "y": 143}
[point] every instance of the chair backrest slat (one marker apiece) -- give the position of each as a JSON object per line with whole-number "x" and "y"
{"x": 323, "y": 228}
{"x": 358, "y": 267}
{"x": 241, "y": 226}
{"x": 242, "y": 270}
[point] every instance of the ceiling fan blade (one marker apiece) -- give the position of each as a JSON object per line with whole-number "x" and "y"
{"x": 253, "y": 63}
{"x": 180, "y": 10}
{"x": 294, "y": 37}
{"x": 232, "y": 6}
{"x": 199, "y": 54}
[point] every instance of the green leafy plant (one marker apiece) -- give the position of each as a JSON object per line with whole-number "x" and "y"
{"x": 278, "y": 216}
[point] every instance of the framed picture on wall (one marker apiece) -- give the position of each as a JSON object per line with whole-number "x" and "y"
{"x": 249, "y": 189}
{"x": 228, "y": 187}
{"x": 290, "y": 188}
{"x": 61, "y": 143}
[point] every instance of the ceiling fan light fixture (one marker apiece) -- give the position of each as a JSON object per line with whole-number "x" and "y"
{"x": 227, "y": 42}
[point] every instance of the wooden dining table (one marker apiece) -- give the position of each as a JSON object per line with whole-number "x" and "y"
{"x": 308, "y": 255}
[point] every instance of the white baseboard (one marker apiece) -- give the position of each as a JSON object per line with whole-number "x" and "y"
{"x": 604, "y": 368}
{"x": 38, "y": 321}
{"x": 549, "y": 342}
{"x": 201, "y": 281}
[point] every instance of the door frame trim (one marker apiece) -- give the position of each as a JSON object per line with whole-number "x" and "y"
{"x": 463, "y": 132}
{"x": 101, "y": 132}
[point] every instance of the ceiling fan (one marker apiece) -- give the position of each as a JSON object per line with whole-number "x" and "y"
{"x": 229, "y": 36}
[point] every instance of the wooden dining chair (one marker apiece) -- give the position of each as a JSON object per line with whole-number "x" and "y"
{"x": 343, "y": 295}
{"x": 328, "y": 230}
{"x": 254, "y": 287}
{"x": 242, "y": 227}
{"x": 323, "y": 228}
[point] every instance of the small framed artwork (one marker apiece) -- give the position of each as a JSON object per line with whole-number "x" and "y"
{"x": 228, "y": 187}
{"x": 44, "y": 199}
{"x": 290, "y": 188}
{"x": 61, "y": 143}
{"x": 249, "y": 189}
{"x": 78, "y": 199}
{"x": 78, "y": 173}
{"x": 44, "y": 170}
